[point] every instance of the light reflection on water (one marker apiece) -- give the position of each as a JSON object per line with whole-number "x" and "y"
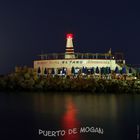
{"x": 69, "y": 119}
{"x": 118, "y": 115}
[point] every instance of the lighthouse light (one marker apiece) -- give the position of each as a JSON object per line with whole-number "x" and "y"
{"x": 69, "y": 35}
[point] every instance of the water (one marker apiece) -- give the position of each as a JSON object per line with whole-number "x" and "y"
{"x": 23, "y": 114}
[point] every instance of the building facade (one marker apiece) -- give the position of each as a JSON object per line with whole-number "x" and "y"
{"x": 77, "y": 61}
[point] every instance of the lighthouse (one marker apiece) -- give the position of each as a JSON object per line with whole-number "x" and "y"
{"x": 69, "y": 53}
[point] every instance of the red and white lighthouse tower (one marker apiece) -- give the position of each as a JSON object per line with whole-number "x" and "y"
{"x": 69, "y": 47}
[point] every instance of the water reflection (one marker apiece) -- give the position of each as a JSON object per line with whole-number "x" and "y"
{"x": 117, "y": 114}
{"x": 48, "y": 104}
{"x": 69, "y": 120}
{"x": 97, "y": 107}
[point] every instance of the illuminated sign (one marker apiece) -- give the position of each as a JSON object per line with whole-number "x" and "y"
{"x": 72, "y": 62}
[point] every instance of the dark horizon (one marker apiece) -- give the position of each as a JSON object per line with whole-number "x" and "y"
{"x": 29, "y": 28}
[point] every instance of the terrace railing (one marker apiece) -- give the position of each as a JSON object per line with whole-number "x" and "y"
{"x": 52, "y": 56}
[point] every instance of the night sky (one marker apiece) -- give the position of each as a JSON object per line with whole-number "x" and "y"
{"x": 28, "y": 28}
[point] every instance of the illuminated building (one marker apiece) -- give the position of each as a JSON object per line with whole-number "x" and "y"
{"x": 64, "y": 63}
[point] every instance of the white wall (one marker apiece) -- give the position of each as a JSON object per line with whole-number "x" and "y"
{"x": 69, "y": 63}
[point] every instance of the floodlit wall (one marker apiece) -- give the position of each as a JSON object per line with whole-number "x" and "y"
{"x": 79, "y": 63}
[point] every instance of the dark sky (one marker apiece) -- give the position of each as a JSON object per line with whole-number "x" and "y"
{"x": 28, "y": 28}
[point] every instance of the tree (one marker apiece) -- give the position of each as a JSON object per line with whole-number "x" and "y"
{"x": 97, "y": 70}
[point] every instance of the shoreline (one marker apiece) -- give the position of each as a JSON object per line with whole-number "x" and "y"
{"x": 33, "y": 83}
